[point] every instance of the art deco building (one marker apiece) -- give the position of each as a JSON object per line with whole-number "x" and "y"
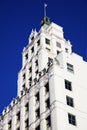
{"x": 52, "y": 85}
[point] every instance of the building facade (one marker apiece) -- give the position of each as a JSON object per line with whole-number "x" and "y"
{"x": 52, "y": 85}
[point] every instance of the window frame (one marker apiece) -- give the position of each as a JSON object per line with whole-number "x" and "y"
{"x": 47, "y": 41}
{"x": 58, "y": 44}
{"x": 32, "y": 49}
{"x": 37, "y": 113}
{"x": 70, "y": 101}
{"x": 72, "y": 119}
{"x": 48, "y": 121}
{"x": 68, "y": 85}
{"x": 70, "y": 67}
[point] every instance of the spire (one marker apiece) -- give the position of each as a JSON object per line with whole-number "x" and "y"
{"x": 45, "y": 5}
{"x": 45, "y": 20}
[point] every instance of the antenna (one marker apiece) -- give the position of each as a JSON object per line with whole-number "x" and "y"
{"x": 45, "y": 5}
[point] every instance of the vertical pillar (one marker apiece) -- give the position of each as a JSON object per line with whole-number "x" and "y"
{"x": 42, "y": 107}
{"x": 53, "y": 99}
{"x": 32, "y": 110}
{"x": 33, "y": 69}
{"x": 14, "y": 120}
{"x": 5, "y": 123}
{"x": 22, "y": 116}
{"x": 42, "y": 55}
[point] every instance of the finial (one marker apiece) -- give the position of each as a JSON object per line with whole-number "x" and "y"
{"x": 45, "y": 5}
{"x": 45, "y": 20}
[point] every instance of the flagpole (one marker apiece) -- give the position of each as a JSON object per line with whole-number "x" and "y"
{"x": 45, "y": 5}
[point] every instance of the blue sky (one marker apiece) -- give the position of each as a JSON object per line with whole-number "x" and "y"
{"x": 18, "y": 17}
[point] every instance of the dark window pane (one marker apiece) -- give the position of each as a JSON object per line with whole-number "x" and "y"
{"x": 72, "y": 119}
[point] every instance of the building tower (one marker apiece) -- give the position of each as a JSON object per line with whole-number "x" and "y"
{"x": 52, "y": 88}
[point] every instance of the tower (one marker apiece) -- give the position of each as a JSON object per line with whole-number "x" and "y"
{"x": 51, "y": 85}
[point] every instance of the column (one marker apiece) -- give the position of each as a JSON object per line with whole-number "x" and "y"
{"x": 22, "y": 116}
{"x": 14, "y": 120}
{"x": 42, "y": 107}
{"x": 53, "y": 100}
{"x": 5, "y": 123}
{"x": 31, "y": 110}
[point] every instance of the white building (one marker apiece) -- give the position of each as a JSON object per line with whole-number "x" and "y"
{"x": 52, "y": 85}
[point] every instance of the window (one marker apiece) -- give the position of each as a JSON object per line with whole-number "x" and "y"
{"x": 26, "y": 124}
{"x": 47, "y": 49}
{"x": 26, "y": 56}
{"x": 47, "y": 41}
{"x": 69, "y": 101}
{"x": 32, "y": 49}
{"x": 68, "y": 85}
{"x": 58, "y": 52}
{"x": 38, "y": 127}
{"x": 27, "y": 107}
{"x": 50, "y": 61}
{"x": 36, "y": 62}
{"x": 70, "y": 67}
{"x": 18, "y": 116}
{"x": 23, "y": 86}
{"x": 47, "y": 102}
{"x": 18, "y": 128}
{"x": 36, "y": 72}
{"x": 58, "y": 44}
{"x": 30, "y": 79}
{"x": 9, "y": 125}
{"x": 32, "y": 38}
{"x": 37, "y": 112}
{"x": 47, "y": 87}
{"x": 48, "y": 122}
{"x": 37, "y": 97}
{"x": 66, "y": 49}
{"x": 24, "y": 76}
{"x": 38, "y": 42}
{"x": 71, "y": 119}
{"x": 30, "y": 69}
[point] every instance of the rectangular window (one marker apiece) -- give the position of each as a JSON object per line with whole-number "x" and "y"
{"x": 70, "y": 67}
{"x": 47, "y": 102}
{"x": 47, "y": 49}
{"x": 66, "y": 50}
{"x": 38, "y": 127}
{"x": 38, "y": 42}
{"x": 48, "y": 122}
{"x": 9, "y": 125}
{"x": 37, "y": 97}
{"x": 47, "y": 87}
{"x": 27, "y": 107}
{"x": 68, "y": 85}
{"x": 58, "y": 52}
{"x": 30, "y": 69}
{"x": 71, "y": 119}
{"x": 26, "y": 124}
{"x": 18, "y": 128}
{"x": 50, "y": 61}
{"x": 24, "y": 76}
{"x": 47, "y": 41}
{"x": 36, "y": 62}
{"x": 58, "y": 44}
{"x": 32, "y": 38}
{"x": 69, "y": 101}
{"x": 36, "y": 72}
{"x": 18, "y": 116}
{"x": 23, "y": 86}
{"x": 26, "y": 56}
{"x": 32, "y": 49}
{"x": 30, "y": 79}
{"x": 37, "y": 112}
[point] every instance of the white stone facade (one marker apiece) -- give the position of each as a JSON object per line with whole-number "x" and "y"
{"x": 52, "y": 86}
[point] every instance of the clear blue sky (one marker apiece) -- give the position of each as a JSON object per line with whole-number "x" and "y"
{"x": 18, "y": 17}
